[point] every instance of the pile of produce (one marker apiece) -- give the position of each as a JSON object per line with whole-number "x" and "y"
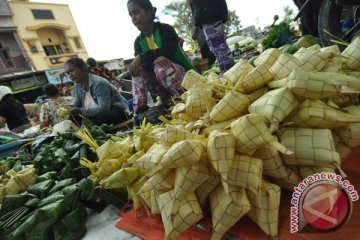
{"x": 44, "y": 193}
{"x": 231, "y": 146}
{"x": 235, "y": 142}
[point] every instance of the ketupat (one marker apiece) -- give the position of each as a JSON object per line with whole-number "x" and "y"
{"x": 352, "y": 55}
{"x": 266, "y": 215}
{"x": 232, "y": 105}
{"x": 221, "y": 153}
{"x": 251, "y": 133}
{"x": 161, "y": 181}
{"x": 150, "y": 159}
{"x": 268, "y": 57}
{"x": 255, "y": 79}
{"x": 312, "y": 147}
{"x": 122, "y": 178}
{"x": 274, "y": 106}
{"x": 226, "y": 210}
{"x": 237, "y": 72}
{"x": 189, "y": 213}
{"x": 273, "y": 165}
{"x": 317, "y": 114}
{"x": 187, "y": 179}
{"x": 306, "y": 85}
{"x": 284, "y": 65}
{"x": 183, "y": 153}
{"x": 246, "y": 172}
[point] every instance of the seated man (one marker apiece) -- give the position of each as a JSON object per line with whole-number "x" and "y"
{"x": 237, "y": 52}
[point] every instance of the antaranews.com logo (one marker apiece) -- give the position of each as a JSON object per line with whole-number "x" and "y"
{"x": 323, "y": 201}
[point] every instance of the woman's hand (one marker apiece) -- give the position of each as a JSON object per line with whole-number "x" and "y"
{"x": 75, "y": 111}
{"x": 162, "y": 62}
{"x": 134, "y": 68}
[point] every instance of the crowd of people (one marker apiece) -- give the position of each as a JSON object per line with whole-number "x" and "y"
{"x": 158, "y": 68}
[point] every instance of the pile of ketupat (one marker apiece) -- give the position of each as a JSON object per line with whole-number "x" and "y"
{"x": 235, "y": 141}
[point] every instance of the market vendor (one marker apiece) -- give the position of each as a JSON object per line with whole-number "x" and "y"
{"x": 160, "y": 63}
{"x": 95, "y": 98}
{"x": 48, "y": 110}
{"x": 12, "y": 111}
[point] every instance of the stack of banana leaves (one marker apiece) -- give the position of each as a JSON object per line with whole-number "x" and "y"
{"x": 45, "y": 193}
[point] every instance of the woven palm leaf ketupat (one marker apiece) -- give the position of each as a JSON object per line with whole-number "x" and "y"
{"x": 135, "y": 157}
{"x": 189, "y": 214}
{"x": 341, "y": 148}
{"x": 154, "y": 205}
{"x": 19, "y": 181}
{"x": 221, "y": 153}
{"x": 232, "y": 105}
{"x": 226, "y": 210}
{"x": 306, "y": 85}
{"x": 352, "y": 55}
{"x": 161, "y": 181}
{"x": 312, "y": 147}
{"x": 191, "y": 79}
{"x": 150, "y": 159}
{"x": 214, "y": 78}
{"x": 255, "y": 79}
{"x": 312, "y": 59}
{"x": 308, "y": 171}
{"x": 350, "y": 134}
{"x": 268, "y": 57}
{"x": 317, "y": 114}
{"x": 113, "y": 150}
{"x": 187, "y": 180}
{"x": 284, "y": 65}
{"x": 181, "y": 154}
{"x": 292, "y": 180}
{"x": 246, "y": 172}
{"x": 174, "y": 134}
{"x": 237, "y": 72}
{"x": 274, "y": 106}
{"x": 340, "y": 78}
{"x": 199, "y": 99}
{"x": 207, "y": 187}
{"x": 266, "y": 215}
{"x": 272, "y": 162}
{"x": 108, "y": 167}
{"x": 251, "y": 133}
{"x": 335, "y": 62}
{"x": 122, "y": 178}
{"x": 132, "y": 190}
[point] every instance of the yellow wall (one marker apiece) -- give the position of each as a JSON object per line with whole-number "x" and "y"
{"x": 36, "y": 32}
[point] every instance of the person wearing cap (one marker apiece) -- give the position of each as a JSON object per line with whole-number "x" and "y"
{"x": 12, "y": 111}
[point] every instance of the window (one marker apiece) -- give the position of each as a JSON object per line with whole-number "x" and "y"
{"x": 32, "y": 47}
{"x": 53, "y": 50}
{"x": 5, "y": 57}
{"x": 77, "y": 43}
{"x": 42, "y": 14}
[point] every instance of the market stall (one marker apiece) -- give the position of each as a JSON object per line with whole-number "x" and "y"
{"x": 224, "y": 164}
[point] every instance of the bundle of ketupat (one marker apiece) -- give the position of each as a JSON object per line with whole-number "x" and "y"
{"x": 237, "y": 72}
{"x": 198, "y": 149}
{"x": 227, "y": 209}
{"x": 352, "y": 55}
{"x": 17, "y": 182}
{"x": 274, "y": 106}
{"x": 268, "y": 57}
{"x": 189, "y": 213}
{"x": 313, "y": 59}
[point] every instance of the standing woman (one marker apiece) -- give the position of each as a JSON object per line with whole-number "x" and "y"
{"x": 210, "y": 15}
{"x": 160, "y": 63}
{"x": 12, "y": 111}
{"x": 95, "y": 98}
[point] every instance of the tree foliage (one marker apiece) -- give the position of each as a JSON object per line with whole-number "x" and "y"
{"x": 181, "y": 13}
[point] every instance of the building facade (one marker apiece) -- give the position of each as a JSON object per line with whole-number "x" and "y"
{"x": 13, "y": 58}
{"x": 48, "y": 33}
